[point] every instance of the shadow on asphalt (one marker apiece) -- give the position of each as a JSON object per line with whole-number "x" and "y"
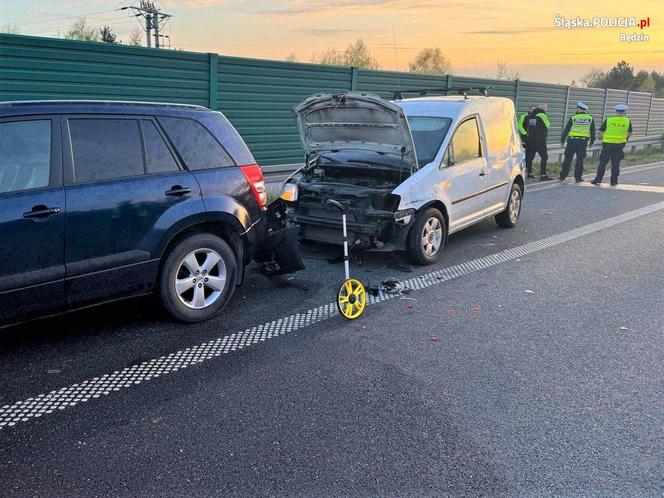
{"x": 145, "y": 315}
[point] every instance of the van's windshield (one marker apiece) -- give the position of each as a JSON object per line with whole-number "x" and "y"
{"x": 428, "y": 134}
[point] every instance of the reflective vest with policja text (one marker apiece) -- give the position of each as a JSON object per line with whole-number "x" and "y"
{"x": 617, "y": 128}
{"x": 580, "y": 125}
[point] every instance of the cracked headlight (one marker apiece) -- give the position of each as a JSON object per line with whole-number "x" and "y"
{"x": 289, "y": 192}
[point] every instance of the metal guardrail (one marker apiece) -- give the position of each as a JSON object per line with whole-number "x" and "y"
{"x": 276, "y": 174}
{"x": 633, "y": 144}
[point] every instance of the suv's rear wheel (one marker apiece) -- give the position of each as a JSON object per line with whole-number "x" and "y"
{"x": 510, "y": 216}
{"x": 198, "y": 277}
{"x": 426, "y": 238}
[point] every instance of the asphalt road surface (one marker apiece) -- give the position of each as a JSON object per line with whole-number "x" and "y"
{"x": 527, "y": 362}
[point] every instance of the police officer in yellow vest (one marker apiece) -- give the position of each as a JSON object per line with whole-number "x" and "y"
{"x": 579, "y": 132}
{"x": 616, "y": 131}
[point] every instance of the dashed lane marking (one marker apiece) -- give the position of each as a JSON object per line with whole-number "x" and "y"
{"x": 67, "y": 397}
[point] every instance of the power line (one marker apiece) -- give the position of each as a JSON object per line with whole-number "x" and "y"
{"x": 66, "y": 17}
{"x": 62, "y": 28}
{"x": 153, "y": 18}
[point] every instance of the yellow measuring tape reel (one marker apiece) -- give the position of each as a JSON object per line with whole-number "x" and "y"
{"x": 351, "y": 298}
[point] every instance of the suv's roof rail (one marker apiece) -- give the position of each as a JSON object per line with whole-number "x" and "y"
{"x": 460, "y": 90}
{"x": 21, "y": 103}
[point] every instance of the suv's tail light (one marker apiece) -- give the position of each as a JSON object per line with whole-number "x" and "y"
{"x": 254, "y": 176}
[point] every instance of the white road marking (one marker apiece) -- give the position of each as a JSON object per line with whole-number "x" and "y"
{"x": 37, "y": 406}
{"x": 625, "y": 186}
{"x": 536, "y": 187}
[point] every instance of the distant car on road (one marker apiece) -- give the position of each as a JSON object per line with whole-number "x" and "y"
{"x": 410, "y": 172}
{"x": 106, "y": 200}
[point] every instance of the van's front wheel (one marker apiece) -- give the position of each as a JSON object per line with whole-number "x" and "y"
{"x": 426, "y": 238}
{"x": 510, "y": 216}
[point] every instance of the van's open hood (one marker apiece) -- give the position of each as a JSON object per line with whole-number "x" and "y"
{"x": 354, "y": 121}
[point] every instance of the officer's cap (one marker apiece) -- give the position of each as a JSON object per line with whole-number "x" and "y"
{"x": 621, "y": 107}
{"x": 582, "y": 105}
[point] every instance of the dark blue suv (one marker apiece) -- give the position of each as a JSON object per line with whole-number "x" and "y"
{"x": 107, "y": 200}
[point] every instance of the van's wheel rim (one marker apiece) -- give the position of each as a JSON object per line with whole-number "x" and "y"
{"x": 200, "y": 279}
{"x": 432, "y": 236}
{"x": 515, "y": 206}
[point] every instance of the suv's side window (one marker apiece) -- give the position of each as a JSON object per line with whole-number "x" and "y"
{"x": 103, "y": 149}
{"x": 198, "y": 148}
{"x": 466, "y": 141}
{"x": 25, "y": 155}
{"x": 157, "y": 154}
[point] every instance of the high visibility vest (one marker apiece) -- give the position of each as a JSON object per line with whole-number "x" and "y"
{"x": 522, "y": 120}
{"x": 616, "y": 130}
{"x": 580, "y": 125}
{"x": 533, "y": 121}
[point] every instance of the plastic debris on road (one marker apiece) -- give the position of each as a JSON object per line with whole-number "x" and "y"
{"x": 391, "y": 286}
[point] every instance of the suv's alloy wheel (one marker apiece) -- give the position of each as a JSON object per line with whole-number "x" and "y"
{"x": 198, "y": 277}
{"x": 201, "y": 278}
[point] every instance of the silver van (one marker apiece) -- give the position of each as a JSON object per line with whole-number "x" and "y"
{"x": 410, "y": 172}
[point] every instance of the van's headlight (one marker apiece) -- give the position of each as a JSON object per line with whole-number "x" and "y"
{"x": 403, "y": 216}
{"x": 289, "y": 192}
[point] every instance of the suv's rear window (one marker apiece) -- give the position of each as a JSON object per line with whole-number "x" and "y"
{"x": 428, "y": 134}
{"x": 105, "y": 148}
{"x": 198, "y": 148}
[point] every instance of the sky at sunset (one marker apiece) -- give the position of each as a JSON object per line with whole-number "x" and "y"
{"x": 473, "y": 34}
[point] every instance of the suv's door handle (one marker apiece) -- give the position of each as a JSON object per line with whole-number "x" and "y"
{"x": 178, "y": 191}
{"x": 483, "y": 172}
{"x": 41, "y": 212}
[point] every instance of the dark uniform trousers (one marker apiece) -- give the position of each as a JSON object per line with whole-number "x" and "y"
{"x": 533, "y": 148}
{"x": 613, "y": 153}
{"x": 575, "y": 145}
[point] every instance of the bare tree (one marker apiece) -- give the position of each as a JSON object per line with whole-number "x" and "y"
{"x": 503, "y": 72}
{"x": 356, "y": 54}
{"x": 292, "y": 57}
{"x": 79, "y": 30}
{"x": 331, "y": 57}
{"x": 430, "y": 61}
{"x": 136, "y": 37}
{"x": 10, "y": 28}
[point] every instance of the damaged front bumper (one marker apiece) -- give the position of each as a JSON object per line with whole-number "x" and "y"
{"x": 280, "y": 251}
{"x": 368, "y": 229}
